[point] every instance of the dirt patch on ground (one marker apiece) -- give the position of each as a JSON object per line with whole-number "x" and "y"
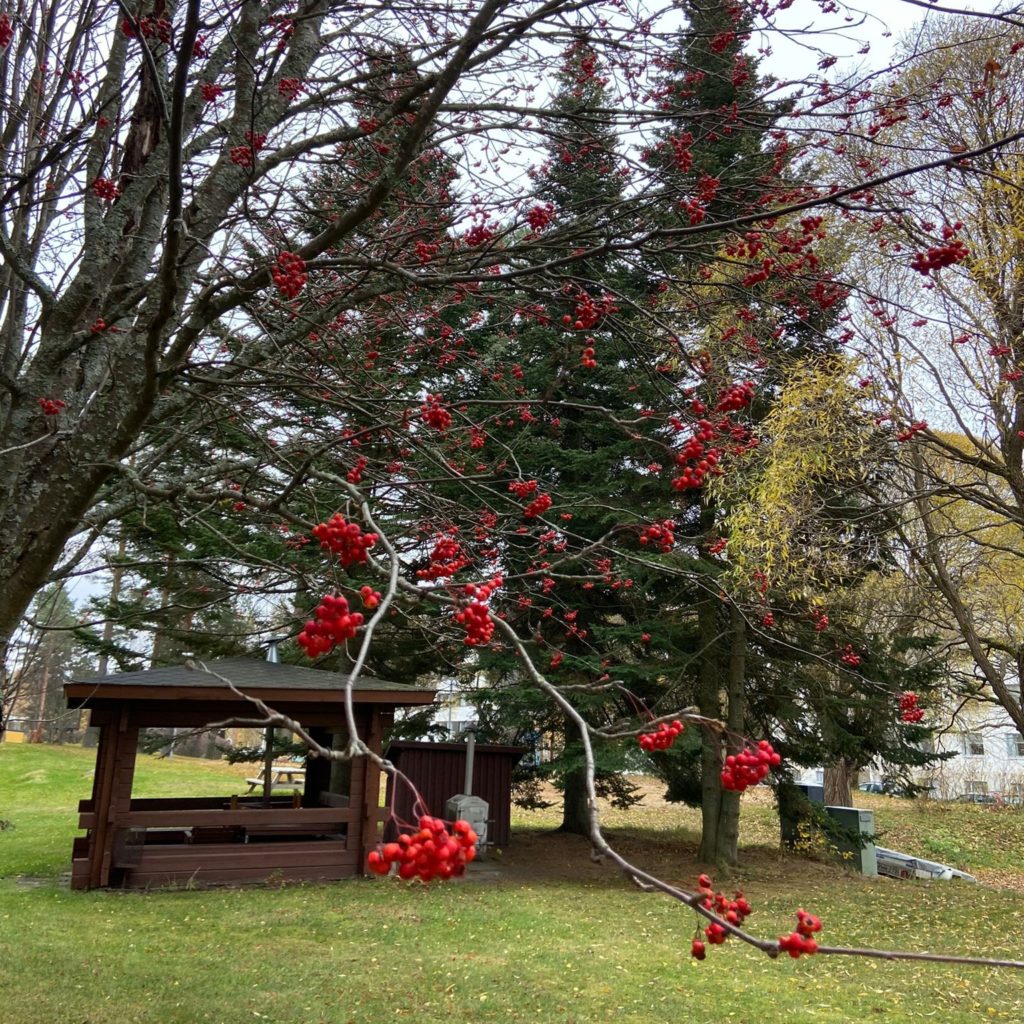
{"x": 655, "y": 835}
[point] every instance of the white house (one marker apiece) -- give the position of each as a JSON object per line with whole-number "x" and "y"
{"x": 989, "y": 757}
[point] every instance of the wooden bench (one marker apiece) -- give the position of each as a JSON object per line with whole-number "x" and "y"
{"x": 282, "y": 776}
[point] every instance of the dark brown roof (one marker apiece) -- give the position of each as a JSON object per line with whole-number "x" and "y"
{"x": 456, "y": 748}
{"x": 248, "y": 674}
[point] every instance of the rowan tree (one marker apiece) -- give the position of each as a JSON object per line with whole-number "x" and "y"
{"x": 167, "y": 279}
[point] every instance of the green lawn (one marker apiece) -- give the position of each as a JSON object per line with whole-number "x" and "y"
{"x": 40, "y": 788}
{"x": 551, "y": 938}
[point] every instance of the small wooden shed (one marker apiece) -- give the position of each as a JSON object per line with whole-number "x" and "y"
{"x": 323, "y": 834}
{"x": 437, "y": 770}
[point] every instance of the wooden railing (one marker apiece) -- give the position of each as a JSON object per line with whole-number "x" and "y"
{"x": 211, "y": 811}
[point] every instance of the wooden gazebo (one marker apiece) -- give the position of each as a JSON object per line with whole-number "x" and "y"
{"x": 323, "y": 834}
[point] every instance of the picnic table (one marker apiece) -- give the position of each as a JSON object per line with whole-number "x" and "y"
{"x": 289, "y": 776}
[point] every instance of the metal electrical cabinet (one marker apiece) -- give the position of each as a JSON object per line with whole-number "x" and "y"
{"x": 854, "y": 821}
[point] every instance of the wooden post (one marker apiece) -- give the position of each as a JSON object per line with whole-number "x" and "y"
{"x": 112, "y": 792}
{"x": 102, "y": 783}
{"x": 371, "y": 789}
{"x": 268, "y": 766}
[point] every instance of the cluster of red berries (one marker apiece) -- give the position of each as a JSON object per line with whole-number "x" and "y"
{"x": 371, "y": 597}
{"x": 149, "y": 28}
{"x": 734, "y": 911}
{"x": 6, "y": 31}
{"x": 588, "y": 355}
{"x": 587, "y": 313}
{"x": 735, "y": 397}
{"x": 478, "y": 234}
{"x": 540, "y": 216}
{"x": 446, "y": 559}
{"x": 749, "y": 766}
{"x": 280, "y": 25}
{"x": 51, "y": 406}
{"x": 850, "y": 656}
{"x": 289, "y": 274}
{"x": 696, "y": 460}
{"x": 909, "y": 711}
{"x": 290, "y": 88}
{"x": 244, "y": 156}
{"x": 662, "y": 738}
{"x": 522, "y": 488}
{"x": 426, "y": 251}
{"x": 432, "y": 852}
{"x": 334, "y": 624}
{"x": 211, "y": 91}
{"x": 355, "y": 474}
{"x": 802, "y": 940}
{"x": 537, "y": 507}
{"x": 939, "y": 256}
{"x": 820, "y": 621}
{"x": 696, "y": 207}
{"x": 435, "y": 414}
{"x": 344, "y": 539}
{"x": 692, "y": 476}
{"x": 915, "y": 428}
{"x": 104, "y": 188}
{"x": 100, "y": 325}
{"x": 475, "y": 615}
{"x": 660, "y": 535}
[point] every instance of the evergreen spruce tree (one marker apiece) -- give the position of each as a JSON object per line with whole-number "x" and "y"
{"x": 718, "y": 159}
{"x": 603, "y": 624}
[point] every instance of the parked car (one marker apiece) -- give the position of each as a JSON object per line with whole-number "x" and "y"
{"x": 979, "y": 798}
{"x": 887, "y": 788}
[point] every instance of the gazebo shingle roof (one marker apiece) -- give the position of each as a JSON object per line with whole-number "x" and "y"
{"x": 248, "y": 674}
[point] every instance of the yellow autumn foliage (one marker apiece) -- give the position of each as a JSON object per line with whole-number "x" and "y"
{"x": 812, "y": 439}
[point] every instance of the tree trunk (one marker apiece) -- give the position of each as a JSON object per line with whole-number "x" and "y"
{"x": 839, "y": 778}
{"x": 722, "y": 674}
{"x": 44, "y": 723}
{"x": 575, "y": 805}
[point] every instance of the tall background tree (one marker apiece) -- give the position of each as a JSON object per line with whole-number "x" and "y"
{"x": 942, "y": 342}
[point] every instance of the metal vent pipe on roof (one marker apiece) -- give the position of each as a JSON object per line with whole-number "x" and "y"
{"x": 467, "y": 786}
{"x": 268, "y": 740}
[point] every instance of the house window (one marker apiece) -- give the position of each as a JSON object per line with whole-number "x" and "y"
{"x": 977, "y": 787}
{"x": 1015, "y": 744}
{"x": 974, "y": 744}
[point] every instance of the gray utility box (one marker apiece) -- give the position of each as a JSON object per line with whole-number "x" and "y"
{"x": 471, "y": 809}
{"x": 816, "y": 794}
{"x": 854, "y": 821}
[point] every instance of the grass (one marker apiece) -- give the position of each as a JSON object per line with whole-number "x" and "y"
{"x": 40, "y": 787}
{"x": 550, "y": 938}
{"x": 981, "y": 839}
